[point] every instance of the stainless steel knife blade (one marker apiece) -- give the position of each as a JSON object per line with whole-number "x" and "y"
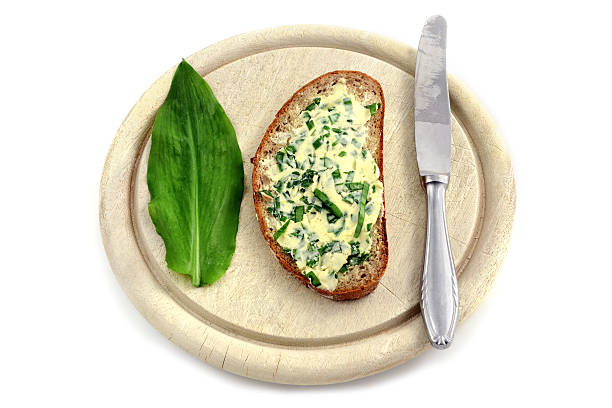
{"x": 432, "y": 125}
{"x": 432, "y": 133}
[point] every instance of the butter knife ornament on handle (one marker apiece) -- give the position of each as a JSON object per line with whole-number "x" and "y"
{"x": 432, "y": 128}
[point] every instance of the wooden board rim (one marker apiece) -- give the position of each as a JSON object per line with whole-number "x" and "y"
{"x": 273, "y": 362}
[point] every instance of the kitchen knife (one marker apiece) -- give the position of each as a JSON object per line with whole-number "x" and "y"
{"x": 432, "y": 135}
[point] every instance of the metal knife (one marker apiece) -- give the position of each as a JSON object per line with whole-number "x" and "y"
{"x": 432, "y": 134}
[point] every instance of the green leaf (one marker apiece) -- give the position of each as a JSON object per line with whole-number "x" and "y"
{"x": 195, "y": 177}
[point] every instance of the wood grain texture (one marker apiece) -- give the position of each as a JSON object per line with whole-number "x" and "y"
{"x": 257, "y": 320}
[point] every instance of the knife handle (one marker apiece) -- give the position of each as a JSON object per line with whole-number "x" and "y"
{"x": 439, "y": 295}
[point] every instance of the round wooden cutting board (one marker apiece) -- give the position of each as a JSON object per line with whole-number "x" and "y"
{"x": 257, "y": 320}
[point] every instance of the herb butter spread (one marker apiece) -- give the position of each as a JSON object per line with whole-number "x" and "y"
{"x": 325, "y": 193}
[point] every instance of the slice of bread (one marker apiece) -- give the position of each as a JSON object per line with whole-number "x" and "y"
{"x": 361, "y": 279}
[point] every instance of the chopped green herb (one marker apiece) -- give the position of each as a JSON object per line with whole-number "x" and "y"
{"x": 290, "y": 149}
{"x": 333, "y": 246}
{"x": 317, "y": 143}
{"x": 372, "y": 108}
{"x": 336, "y": 130}
{"x": 312, "y": 261}
{"x": 357, "y": 259}
{"x": 362, "y": 203}
{"x": 281, "y": 230}
{"x": 298, "y": 233}
{"x": 317, "y": 100}
{"x": 341, "y": 227}
{"x": 307, "y": 178}
{"x": 342, "y": 154}
{"x": 299, "y": 213}
{"x": 364, "y": 153}
{"x": 327, "y": 202}
{"x": 278, "y": 185}
{"x": 354, "y": 259}
{"x": 313, "y": 279}
{"x": 354, "y": 186}
{"x": 310, "y": 124}
{"x": 311, "y": 106}
{"x": 333, "y": 118}
{"x": 280, "y": 156}
{"x": 336, "y": 174}
{"x": 369, "y": 226}
{"x": 331, "y": 218}
{"x": 265, "y": 192}
{"x": 354, "y": 247}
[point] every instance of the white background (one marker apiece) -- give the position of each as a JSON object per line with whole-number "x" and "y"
{"x": 70, "y": 72}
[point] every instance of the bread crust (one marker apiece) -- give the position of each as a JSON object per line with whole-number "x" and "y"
{"x": 379, "y": 250}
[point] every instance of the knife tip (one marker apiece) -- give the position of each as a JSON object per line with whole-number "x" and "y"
{"x": 437, "y": 19}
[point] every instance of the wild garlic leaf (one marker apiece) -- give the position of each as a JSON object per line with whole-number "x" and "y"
{"x": 195, "y": 177}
